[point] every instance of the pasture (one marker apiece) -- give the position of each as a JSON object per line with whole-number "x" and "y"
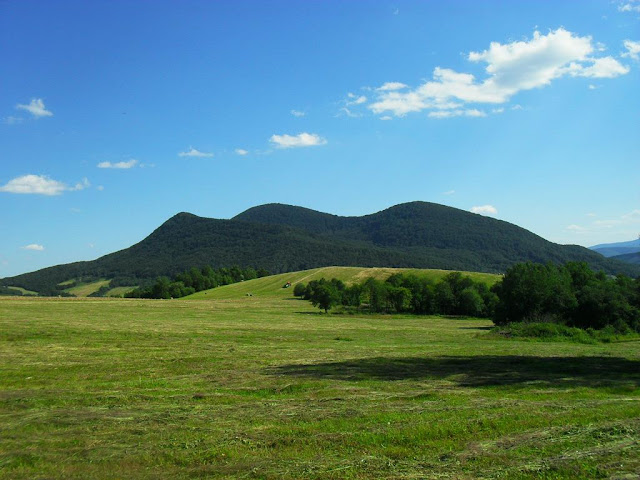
{"x": 226, "y": 385}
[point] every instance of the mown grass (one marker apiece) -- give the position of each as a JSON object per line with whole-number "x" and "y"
{"x": 271, "y": 286}
{"x": 119, "y": 291}
{"x": 24, "y": 291}
{"x": 86, "y": 289}
{"x": 267, "y": 387}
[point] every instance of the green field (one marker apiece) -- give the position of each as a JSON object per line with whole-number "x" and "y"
{"x": 265, "y": 386}
{"x": 272, "y": 286}
{"x": 86, "y": 289}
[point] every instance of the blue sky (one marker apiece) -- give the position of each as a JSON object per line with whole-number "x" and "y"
{"x": 116, "y": 115}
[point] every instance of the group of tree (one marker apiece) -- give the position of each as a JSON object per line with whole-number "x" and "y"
{"x": 195, "y": 280}
{"x": 455, "y": 294}
{"x": 571, "y": 295}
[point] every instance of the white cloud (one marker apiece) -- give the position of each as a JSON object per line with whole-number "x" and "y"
{"x": 390, "y": 86}
{"x": 34, "y": 246}
{"x": 449, "y": 192}
{"x": 633, "y": 49}
{"x": 457, "y": 113}
{"x": 386, "y": 117}
{"x": 576, "y": 228}
{"x": 629, "y": 6}
{"x": 297, "y": 113}
{"x": 510, "y": 68}
{"x": 241, "y": 151}
{"x": 35, "y": 108}
{"x": 606, "y": 67}
{"x": 10, "y": 120}
{"x": 485, "y": 210}
{"x": 119, "y": 165}
{"x": 355, "y": 99}
{"x": 195, "y": 153}
{"x": 301, "y": 140}
{"x": 592, "y": 87}
{"x": 100, "y": 188}
{"x": 40, "y": 185}
{"x": 497, "y": 110}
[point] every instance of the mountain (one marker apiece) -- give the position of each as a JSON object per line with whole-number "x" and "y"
{"x": 615, "y": 249}
{"x": 633, "y": 258}
{"x": 283, "y": 238}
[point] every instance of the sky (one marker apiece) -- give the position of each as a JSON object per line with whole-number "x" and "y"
{"x": 116, "y": 115}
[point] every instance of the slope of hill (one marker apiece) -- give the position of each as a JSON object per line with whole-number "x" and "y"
{"x": 633, "y": 258}
{"x": 282, "y": 238}
{"x": 615, "y": 249}
{"x": 272, "y": 286}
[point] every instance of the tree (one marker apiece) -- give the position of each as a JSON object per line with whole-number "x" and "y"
{"x": 325, "y": 296}
{"x": 299, "y": 289}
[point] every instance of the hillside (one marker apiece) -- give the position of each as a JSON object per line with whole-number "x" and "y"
{"x": 633, "y": 258}
{"x": 283, "y": 238}
{"x": 272, "y": 286}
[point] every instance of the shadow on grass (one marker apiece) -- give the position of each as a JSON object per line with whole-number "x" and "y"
{"x": 480, "y": 371}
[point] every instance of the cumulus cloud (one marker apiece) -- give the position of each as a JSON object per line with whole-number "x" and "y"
{"x": 119, "y": 165}
{"x": 485, "y": 210}
{"x": 301, "y": 140}
{"x": 510, "y": 68}
{"x": 241, "y": 151}
{"x": 195, "y": 153}
{"x": 40, "y": 185}
{"x": 34, "y": 246}
{"x": 633, "y": 49}
{"x": 297, "y": 113}
{"x": 35, "y": 108}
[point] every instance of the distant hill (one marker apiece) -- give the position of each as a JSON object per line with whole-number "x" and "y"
{"x": 615, "y": 249}
{"x": 633, "y": 258}
{"x": 284, "y": 238}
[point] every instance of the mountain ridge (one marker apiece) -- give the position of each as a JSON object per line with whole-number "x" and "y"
{"x": 281, "y": 238}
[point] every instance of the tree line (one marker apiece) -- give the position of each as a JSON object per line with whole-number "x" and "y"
{"x": 571, "y": 295}
{"x": 195, "y": 280}
{"x": 455, "y": 294}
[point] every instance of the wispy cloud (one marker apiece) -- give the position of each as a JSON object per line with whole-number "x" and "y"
{"x": 391, "y": 86}
{"x": 449, "y": 192}
{"x": 633, "y": 49}
{"x": 629, "y": 6}
{"x": 41, "y": 185}
{"x": 485, "y": 210}
{"x": 36, "y": 108}
{"x": 119, "y": 165}
{"x": 195, "y": 153}
{"x": 298, "y": 113}
{"x": 11, "y": 120}
{"x": 34, "y": 246}
{"x": 241, "y": 151}
{"x": 301, "y": 140}
{"x": 510, "y": 68}
{"x": 457, "y": 113}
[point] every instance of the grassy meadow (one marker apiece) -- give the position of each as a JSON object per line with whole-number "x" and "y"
{"x": 226, "y": 385}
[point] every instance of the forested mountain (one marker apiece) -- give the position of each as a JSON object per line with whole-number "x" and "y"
{"x": 628, "y": 258}
{"x": 281, "y": 238}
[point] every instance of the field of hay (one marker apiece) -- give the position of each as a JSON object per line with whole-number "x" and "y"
{"x": 226, "y": 385}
